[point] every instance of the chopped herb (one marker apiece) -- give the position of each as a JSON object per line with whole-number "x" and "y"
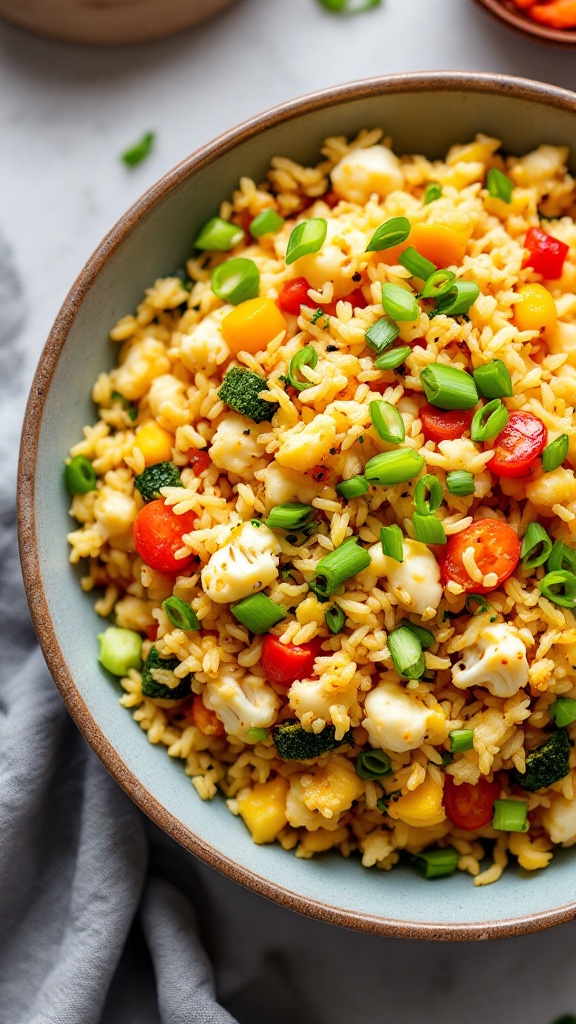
{"x": 140, "y": 150}
{"x": 319, "y": 312}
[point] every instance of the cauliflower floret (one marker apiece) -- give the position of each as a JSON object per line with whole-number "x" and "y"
{"x": 204, "y": 348}
{"x": 497, "y": 661}
{"x": 415, "y": 582}
{"x": 398, "y": 720}
{"x": 246, "y": 564}
{"x": 559, "y": 820}
{"x": 282, "y": 486}
{"x": 365, "y": 172}
{"x": 144, "y": 360}
{"x": 241, "y": 704}
{"x": 322, "y": 699}
{"x": 319, "y": 797}
{"x": 235, "y": 445}
{"x": 332, "y": 262}
{"x": 305, "y": 445}
{"x": 114, "y": 511}
{"x": 168, "y": 402}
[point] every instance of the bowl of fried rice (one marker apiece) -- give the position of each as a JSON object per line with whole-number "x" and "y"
{"x": 298, "y": 505}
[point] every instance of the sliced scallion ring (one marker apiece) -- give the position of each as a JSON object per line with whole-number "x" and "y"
{"x": 431, "y": 486}
{"x": 291, "y": 516}
{"x": 555, "y": 453}
{"x": 306, "y": 238}
{"x": 219, "y": 235}
{"x": 493, "y": 380}
{"x": 425, "y": 637}
{"x": 80, "y": 475}
{"x": 335, "y": 619}
{"x": 382, "y": 334}
{"x": 536, "y": 546}
{"x": 428, "y": 529}
{"x": 476, "y": 604}
{"x": 437, "y": 863}
{"x": 406, "y": 653}
{"x": 395, "y": 467}
{"x": 387, "y": 422}
{"x": 340, "y": 565}
{"x": 447, "y": 387}
{"x": 489, "y": 421}
{"x": 306, "y": 356}
{"x": 510, "y": 816}
{"x": 389, "y": 234}
{"x": 399, "y": 303}
{"x": 433, "y": 192}
{"x": 559, "y": 587}
{"x": 417, "y": 264}
{"x": 393, "y": 358}
{"x": 562, "y": 557}
{"x": 180, "y": 613}
{"x": 460, "y": 482}
{"x": 373, "y": 764}
{"x": 265, "y": 223}
{"x": 563, "y": 711}
{"x": 461, "y": 739}
{"x": 458, "y": 300}
{"x": 437, "y": 284}
{"x": 354, "y": 487}
{"x": 391, "y": 538}
{"x": 499, "y": 185}
{"x": 236, "y": 280}
{"x": 258, "y": 613}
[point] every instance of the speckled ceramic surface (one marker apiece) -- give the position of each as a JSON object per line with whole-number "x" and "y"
{"x": 152, "y": 240}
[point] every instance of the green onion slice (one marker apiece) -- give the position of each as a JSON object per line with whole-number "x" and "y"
{"x": 458, "y": 300}
{"x": 180, "y": 613}
{"x": 428, "y": 529}
{"x": 563, "y": 711}
{"x": 460, "y": 482}
{"x": 418, "y": 265}
{"x": 256, "y": 735}
{"x": 354, "y": 487}
{"x": 461, "y": 739}
{"x": 306, "y": 356}
{"x": 120, "y": 650}
{"x": 431, "y": 486}
{"x": 437, "y": 284}
{"x": 291, "y": 516}
{"x": 140, "y": 150}
{"x": 265, "y": 223}
{"x": 493, "y": 380}
{"x": 80, "y": 475}
{"x": 393, "y": 358}
{"x": 433, "y": 192}
{"x": 559, "y": 587}
{"x": 219, "y": 235}
{"x": 258, "y": 613}
{"x": 406, "y": 653}
{"x": 437, "y": 863}
{"x": 555, "y": 453}
{"x": 510, "y": 816}
{"x": 489, "y": 421}
{"x": 476, "y": 604}
{"x": 387, "y": 422}
{"x": 562, "y": 557}
{"x": 373, "y": 764}
{"x": 335, "y": 618}
{"x": 399, "y": 303}
{"x": 382, "y": 334}
{"x": 390, "y": 468}
{"x": 391, "y": 538}
{"x": 306, "y": 238}
{"x": 349, "y": 6}
{"x": 392, "y": 232}
{"x": 338, "y": 566}
{"x": 236, "y": 280}
{"x": 536, "y": 546}
{"x": 447, "y": 387}
{"x": 425, "y": 637}
{"x": 499, "y": 185}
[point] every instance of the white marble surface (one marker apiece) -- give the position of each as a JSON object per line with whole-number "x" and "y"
{"x": 65, "y": 115}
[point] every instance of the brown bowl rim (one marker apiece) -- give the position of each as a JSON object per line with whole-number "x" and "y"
{"x": 529, "y": 29}
{"x": 415, "y": 82}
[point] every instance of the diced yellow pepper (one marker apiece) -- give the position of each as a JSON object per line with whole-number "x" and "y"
{"x": 252, "y": 325}
{"x": 421, "y": 807}
{"x": 264, "y": 809}
{"x": 154, "y": 442}
{"x": 536, "y": 311}
{"x": 438, "y": 243}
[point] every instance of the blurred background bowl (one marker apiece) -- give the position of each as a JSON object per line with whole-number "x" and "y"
{"x": 508, "y": 15}
{"x": 151, "y": 240}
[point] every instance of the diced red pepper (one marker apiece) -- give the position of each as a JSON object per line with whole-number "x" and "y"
{"x": 546, "y": 254}
{"x": 293, "y": 295}
{"x": 200, "y": 461}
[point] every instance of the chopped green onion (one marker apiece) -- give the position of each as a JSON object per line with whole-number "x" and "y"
{"x": 258, "y": 613}
{"x": 493, "y": 380}
{"x": 447, "y": 387}
{"x": 265, "y": 223}
{"x": 393, "y": 358}
{"x": 180, "y": 613}
{"x": 395, "y": 467}
{"x": 338, "y": 566}
{"x": 391, "y": 538}
{"x": 428, "y": 529}
{"x": 566, "y": 596}
{"x": 460, "y": 482}
{"x": 555, "y": 453}
{"x": 536, "y": 546}
{"x": 510, "y": 816}
{"x": 392, "y": 232}
{"x": 373, "y": 764}
{"x": 437, "y": 863}
{"x": 433, "y": 192}
{"x": 219, "y": 235}
{"x": 447, "y": 758}
{"x": 256, "y": 735}
{"x": 399, "y": 303}
{"x": 489, "y": 421}
{"x": 563, "y": 711}
{"x": 458, "y": 300}
{"x": 120, "y": 650}
{"x": 476, "y": 604}
{"x": 562, "y": 557}
{"x": 387, "y": 422}
{"x": 354, "y": 487}
{"x": 382, "y": 334}
{"x": 406, "y": 653}
{"x": 349, "y": 6}
{"x": 425, "y": 637}
{"x": 439, "y": 283}
{"x": 461, "y": 739}
{"x": 306, "y": 238}
{"x": 236, "y": 280}
{"x": 499, "y": 185}
{"x": 428, "y": 484}
{"x": 418, "y": 265}
{"x": 80, "y": 475}
{"x": 128, "y": 406}
{"x": 334, "y": 618}
{"x": 140, "y": 150}
{"x": 306, "y": 356}
{"x": 291, "y": 516}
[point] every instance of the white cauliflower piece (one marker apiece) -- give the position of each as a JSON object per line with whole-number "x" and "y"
{"x": 539, "y": 165}
{"x": 143, "y": 361}
{"x": 559, "y": 820}
{"x": 398, "y": 720}
{"x": 204, "y": 348}
{"x": 305, "y": 445}
{"x": 319, "y": 797}
{"x": 415, "y": 582}
{"x": 235, "y": 445}
{"x": 114, "y": 511}
{"x": 497, "y": 661}
{"x": 241, "y": 704}
{"x": 332, "y": 262}
{"x": 282, "y": 486}
{"x": 321, "y": 699}
{"x": 247, "y": 563}
{"x": 168, "y": 402}
{"x": 365, "y": 172}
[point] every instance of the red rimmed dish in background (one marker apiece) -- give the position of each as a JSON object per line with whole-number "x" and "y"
{"x": 505, "y": 11}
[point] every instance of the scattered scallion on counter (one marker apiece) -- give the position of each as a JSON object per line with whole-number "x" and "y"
{"x": 236, "y": 280}
{"x": 354, "y": 487}
{"x": 395, "y": 467}
{"x": 387, "y": 422}
{"x": 499, "y": 185}
{"x": 536, "y": 546}
{"x": 335, "y": 619}
{"x": 460, "y": 482}
{"x": 80, "y": 475}
{"x": 438, "y": 284}
{"x": 135, "y": 154}
{"x": 219, "y": 235}
{"x": 349, "y": 6}
{"x": 460, "y": 740}
{"x": 373, "y": 764}
{"x": 447, "y": 387}
{"x": 338, "y": 566}
{"x": 392, "y": 232}
{"x": 265, "y": 223}
{"x": 493, "y": 380}
{"x": 391, "y": 538}
{"x": 437, "y": 863}
{"x": 433, "y": 192}
{"x": 399, "y": 303}
{"x": 510, "y": 816}
{"x": 406, "y": 653}
{"x": 458, "y": 300}
{"x": 559, "y": 587}
{"x": 291, "y": 516}
{"x": 418, "y": 265}
{"x": 382, "y": 334}
{"x": 258, "y": 613}
{"x": 428, "y": 494}
{"x": 180, "y": 613}
{"x": 489, "y": 421}
{"x": 306, "y": 238}
{"x": 306, "y": 356}
{"x": 428, "y": 529}
{"x": 555, "y": 453}
{"x": 393, "y": 358}
{"x": 563, "y": 711}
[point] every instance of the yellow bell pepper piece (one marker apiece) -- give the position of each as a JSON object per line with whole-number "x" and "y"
{"x": 536, "y": 311}
{"x": 154, "y": 442}
{"x": 420, "y": 808}
{"x": 252, "y": 325}
{"x": 264, "y": 809}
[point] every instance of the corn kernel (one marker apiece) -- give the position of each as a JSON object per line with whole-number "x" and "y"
{"x": 264, "y": 809}
{"x": 154, "y": 442}
{"x": 421, "y": 807}
{"x": 536, "y": 311}
{"x": 252, "y": 325}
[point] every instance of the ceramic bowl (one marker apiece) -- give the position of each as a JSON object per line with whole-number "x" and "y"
{"x": 151, "y": 240}
{"x": 505, "y": 12}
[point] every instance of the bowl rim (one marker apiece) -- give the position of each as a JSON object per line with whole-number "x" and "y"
{"x": 413, "y": 82}
{"x": 529, "y": 29}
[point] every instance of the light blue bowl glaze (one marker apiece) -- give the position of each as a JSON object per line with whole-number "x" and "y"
{"x": 423, "y": 113}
